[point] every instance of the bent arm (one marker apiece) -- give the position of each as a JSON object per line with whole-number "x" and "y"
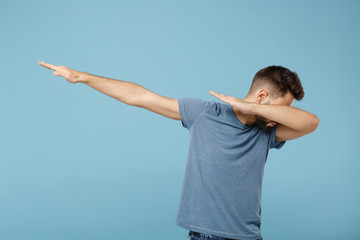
{"x": 133, "y": 94}
{"x": 298, "y": 120}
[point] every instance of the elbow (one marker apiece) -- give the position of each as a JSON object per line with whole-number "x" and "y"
{"x": 315, "y": 123}
{"x": 310, "y": 125}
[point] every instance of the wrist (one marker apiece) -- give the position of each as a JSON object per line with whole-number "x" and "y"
{"x": 253, "y": 107}
{"x": 83, "y": 77}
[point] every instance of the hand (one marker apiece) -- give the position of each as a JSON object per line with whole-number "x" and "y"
{"x": 69, "y": 74}
{"x": 243, "y": 106}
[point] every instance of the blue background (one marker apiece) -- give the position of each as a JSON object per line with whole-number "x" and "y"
{"x": 77, "y": 164}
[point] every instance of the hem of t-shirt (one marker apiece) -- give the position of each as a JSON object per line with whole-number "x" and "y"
{"x": 272, "y": 141}
{"x": 182, "y": 111}
{"x": 216, "y": 233}
{"x": 279, "y": 144}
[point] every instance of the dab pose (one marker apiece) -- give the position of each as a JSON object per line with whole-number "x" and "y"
{"x": 229, "y": 145}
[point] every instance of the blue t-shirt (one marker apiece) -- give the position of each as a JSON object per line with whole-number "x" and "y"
{"x": 221, "y": 192}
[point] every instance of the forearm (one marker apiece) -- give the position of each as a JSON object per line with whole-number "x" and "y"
{"x": 289, "y": 116}
{"x": 126, "y": 92}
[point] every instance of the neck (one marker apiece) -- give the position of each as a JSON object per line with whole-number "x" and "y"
{"x": 247, "y": 119}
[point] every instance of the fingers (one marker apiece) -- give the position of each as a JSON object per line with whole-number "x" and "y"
{"x": 215, "y": 94}
{"x": 47, "y": 65}
{"x": 218, "y": 95}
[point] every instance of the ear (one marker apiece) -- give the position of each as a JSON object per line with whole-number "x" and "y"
{"x": 262, "y": 96}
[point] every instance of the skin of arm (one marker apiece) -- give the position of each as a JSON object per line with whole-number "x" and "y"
{"x": 293, "y": 122}
{"x": 127, "y": 92}
{"x": 133, "y": 94}
{"x": 124, "y": 91}
{"x": 289, "y": 116}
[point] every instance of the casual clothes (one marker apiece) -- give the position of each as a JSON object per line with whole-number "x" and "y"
{"x": 221, "y": 192}
{"x": 203, "y": 236}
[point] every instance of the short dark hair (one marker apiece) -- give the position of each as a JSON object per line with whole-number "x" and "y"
{"x": 279, "y": 80}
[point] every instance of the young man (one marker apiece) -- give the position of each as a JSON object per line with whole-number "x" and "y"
{"x": 230, "y": 140}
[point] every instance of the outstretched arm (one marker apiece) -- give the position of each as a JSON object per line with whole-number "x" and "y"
{"x": 127, "y": 92}
{"x": 293, "y": 122}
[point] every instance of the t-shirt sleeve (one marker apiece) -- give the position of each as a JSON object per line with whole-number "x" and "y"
{"x": 272, "y": 142}
{"x": 190, "y": 109}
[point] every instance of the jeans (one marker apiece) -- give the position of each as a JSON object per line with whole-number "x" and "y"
{"x": 203, "y": 236}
